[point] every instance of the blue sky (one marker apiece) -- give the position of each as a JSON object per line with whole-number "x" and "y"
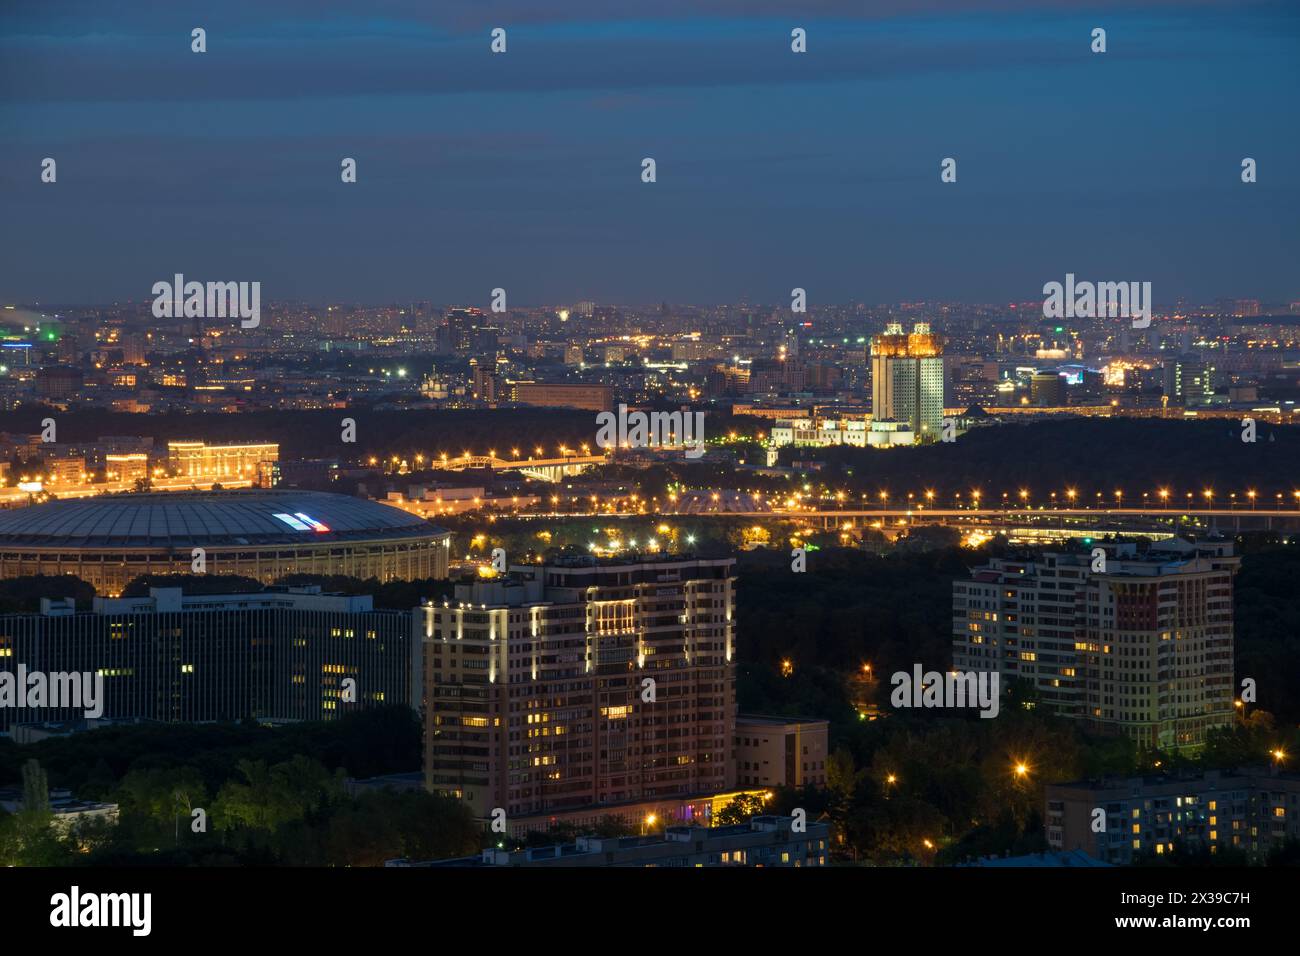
{"x": 522, "y": 170}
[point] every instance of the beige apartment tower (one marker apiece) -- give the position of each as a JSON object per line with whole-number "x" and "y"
{"x": 582, "y": 683}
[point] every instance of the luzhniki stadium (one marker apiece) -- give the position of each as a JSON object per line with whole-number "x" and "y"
{"x": 264, "y": 534}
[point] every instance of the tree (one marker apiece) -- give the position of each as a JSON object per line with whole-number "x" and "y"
{"x": 842, "y": 776}
{"x": 739, "y": 810}
{"x": 36, "y": 789}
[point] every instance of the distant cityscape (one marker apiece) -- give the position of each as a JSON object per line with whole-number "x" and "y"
{"x": 451, "y": 438}
{"x": 1226, "y": 355}
{"x": 582, "y": 681}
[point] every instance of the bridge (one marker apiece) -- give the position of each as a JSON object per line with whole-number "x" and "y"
{"x": 543, "y": 469}
{"x": 1223, "y": 519}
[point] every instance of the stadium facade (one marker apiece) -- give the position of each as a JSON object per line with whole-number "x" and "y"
{"x": 263, "y": 534}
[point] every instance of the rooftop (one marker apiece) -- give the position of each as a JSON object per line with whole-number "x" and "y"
{"x": 183, "y": 519}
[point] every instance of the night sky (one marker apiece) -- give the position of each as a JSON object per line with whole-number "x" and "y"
{"x": 522, "y": 170}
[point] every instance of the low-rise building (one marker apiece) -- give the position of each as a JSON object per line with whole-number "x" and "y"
{"x": 1116, "y": 820}
{"x": 780, "y": 751}
{"x": 762, "y": 841}
{"x": 65, "y": 809}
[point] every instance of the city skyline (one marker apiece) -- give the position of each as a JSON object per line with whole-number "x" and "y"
{"x": 479, "y": 434}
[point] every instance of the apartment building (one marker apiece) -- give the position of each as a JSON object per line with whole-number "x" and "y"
{"x": 781, "y": 751}
{"x": 1253, "y": 810}
{"x": 592, "y": 398}
{"x": 1139, "y": 644}
{"x": 582, "y": 682}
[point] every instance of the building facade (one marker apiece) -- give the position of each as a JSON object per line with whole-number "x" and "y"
{"x": 592, "y": 398}
{"x": 196, "y": 459}
{"x": 781, "y": 751}
{"x": 907, "y": 379}
{"x": 582, "y": 683}
{"x": 1252, "y": 810}
{"x": 274, "y": 655}
{"x": 1143, "y": 648}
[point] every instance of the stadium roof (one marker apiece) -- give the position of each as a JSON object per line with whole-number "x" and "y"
{"x": 215, "y": 518}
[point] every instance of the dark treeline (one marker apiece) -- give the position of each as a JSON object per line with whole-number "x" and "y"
{"x": 365, "y": 744}
{"x": 1088, "y": 454}
{"x": 23, "y": 595}
{"x": 1267, "y": 615}
{"x": 263, "y": 796}
{"x": 848, "y": 609}
{"x": 317, "y": 434}
{"x": 397, "y": 595}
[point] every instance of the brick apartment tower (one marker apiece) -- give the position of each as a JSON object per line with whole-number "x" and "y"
{"x": 1143, "y": 648}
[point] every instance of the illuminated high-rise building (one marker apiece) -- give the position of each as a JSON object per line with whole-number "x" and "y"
{"x": 583, "y": 683}
{"x": 907, "y": 379}
{"x": 1142, "y": 648}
